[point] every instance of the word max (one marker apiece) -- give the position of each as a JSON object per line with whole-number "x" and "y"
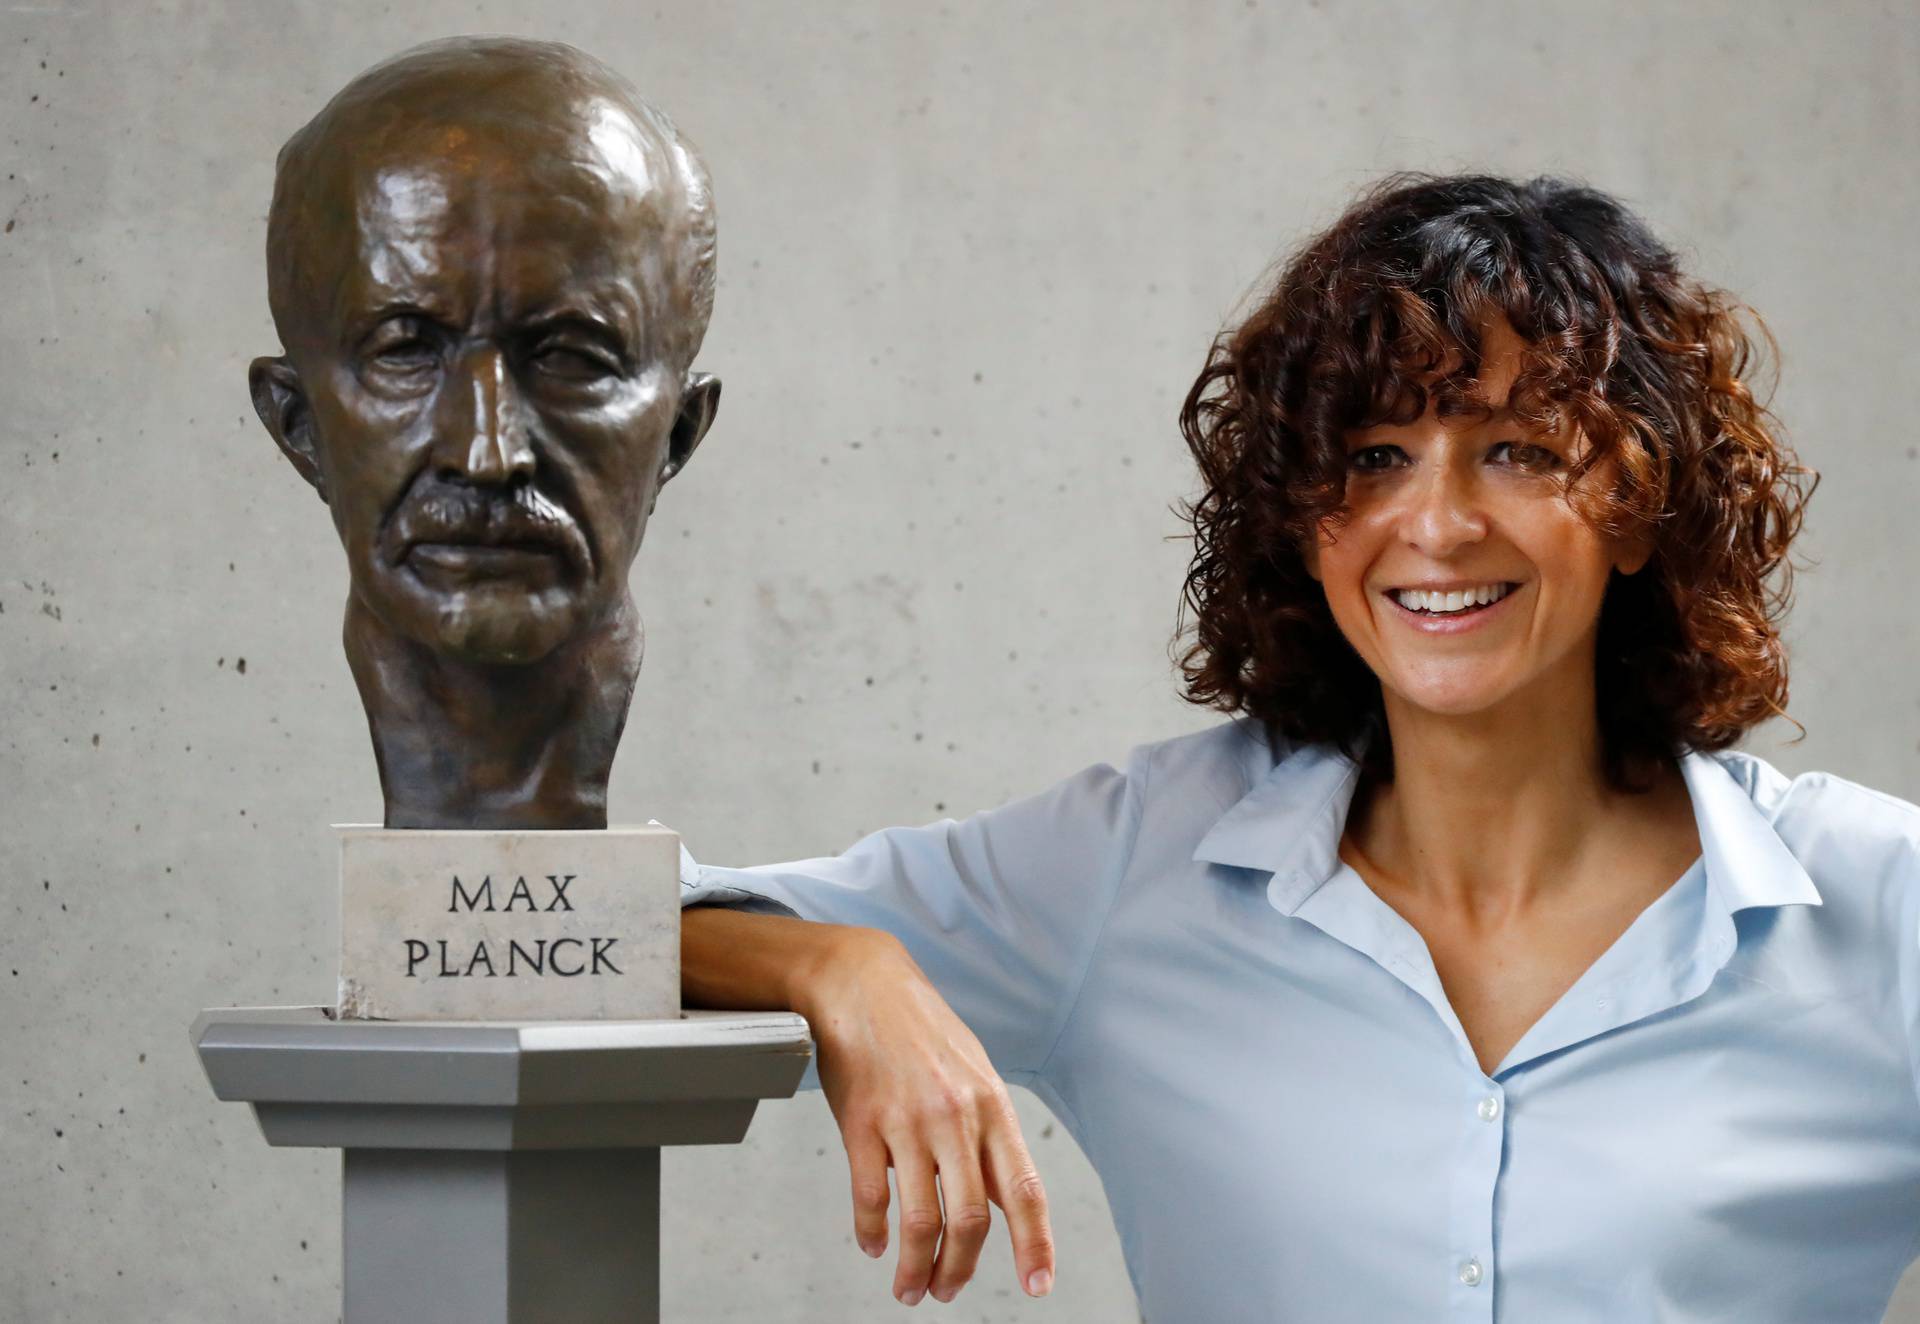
{"x": 481, "y": 897}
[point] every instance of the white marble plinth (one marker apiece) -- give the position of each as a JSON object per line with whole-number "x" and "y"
{"x": 487, "y": 926}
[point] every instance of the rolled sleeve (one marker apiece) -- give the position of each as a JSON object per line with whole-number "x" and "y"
{"x": 713, "y": 887}
{"x": 1001, "y": 910}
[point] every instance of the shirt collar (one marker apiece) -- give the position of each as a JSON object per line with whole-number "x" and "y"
{"x": 1747, "y": 863}
{"x": 1289, "y": 824}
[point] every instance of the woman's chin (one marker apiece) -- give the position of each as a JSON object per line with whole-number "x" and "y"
{"x": 1449, "y": 695}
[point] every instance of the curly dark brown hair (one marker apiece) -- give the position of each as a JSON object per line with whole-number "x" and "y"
{"x": 1381, "y": 313}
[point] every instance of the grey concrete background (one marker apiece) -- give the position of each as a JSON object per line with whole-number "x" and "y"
{"x": 970, "y": 257}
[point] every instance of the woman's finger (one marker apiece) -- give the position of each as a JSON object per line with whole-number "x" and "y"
{"x": 1013, "y": 1183}
{"x": 919, "y": 1215}
{"x": 963, "y": 1195}
{"x": 867, "y": 1165}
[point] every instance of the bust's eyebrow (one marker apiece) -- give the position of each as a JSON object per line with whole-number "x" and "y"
{"x": 598, "y": 320}
{"x": 361, "y": 322}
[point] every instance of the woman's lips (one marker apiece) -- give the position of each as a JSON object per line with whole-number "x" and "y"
{"x": 1452, "y": 622}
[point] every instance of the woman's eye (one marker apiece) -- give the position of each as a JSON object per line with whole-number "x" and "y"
{"x": 1523, "y": 455}
{"x": 1374, "y": 459}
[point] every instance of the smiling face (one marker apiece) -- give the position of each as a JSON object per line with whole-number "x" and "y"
{"x": 486, "y": 381}
{"x": 1463, "y": 575}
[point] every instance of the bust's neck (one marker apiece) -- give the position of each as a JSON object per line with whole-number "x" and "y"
{"x": 470, "y": 746}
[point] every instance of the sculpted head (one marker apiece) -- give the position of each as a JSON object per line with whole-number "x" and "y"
{"x": 490, "y": 264}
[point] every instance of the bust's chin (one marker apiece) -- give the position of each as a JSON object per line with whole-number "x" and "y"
{"x": 492, "y": 624}
{"x": 499, "y": 637}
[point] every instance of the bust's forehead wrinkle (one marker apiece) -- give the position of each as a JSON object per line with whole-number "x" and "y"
{"x": 426, "y": 238}
{"x": 399, "y": 214}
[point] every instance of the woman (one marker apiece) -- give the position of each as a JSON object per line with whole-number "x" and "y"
{"x": 1463, "y": 975}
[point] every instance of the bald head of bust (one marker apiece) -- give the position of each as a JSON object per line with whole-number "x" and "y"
{"x": 490, "y": 264}
{"x": 492, "y": 112}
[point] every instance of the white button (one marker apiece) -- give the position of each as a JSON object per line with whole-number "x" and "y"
{"x": 1489, "y": 1107}
{"x": 1470, "y": 1272}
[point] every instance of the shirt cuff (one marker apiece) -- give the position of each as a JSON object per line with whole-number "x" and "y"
{"x": 704, "y": 887}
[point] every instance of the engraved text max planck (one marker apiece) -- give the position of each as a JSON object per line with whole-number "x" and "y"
{"x": 565, "y": 957}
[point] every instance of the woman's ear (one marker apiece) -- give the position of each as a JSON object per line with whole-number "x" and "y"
{"x": 1631, "y": 555}
{"x": 1310, "y": 557}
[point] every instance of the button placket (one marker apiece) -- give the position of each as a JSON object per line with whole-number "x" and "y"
{"x": 1477, "y": 1159}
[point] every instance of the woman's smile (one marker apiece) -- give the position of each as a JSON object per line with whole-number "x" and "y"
{"x": 1451, "y": 608}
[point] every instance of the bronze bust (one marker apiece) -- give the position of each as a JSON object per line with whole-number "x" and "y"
{"x": 490, "y": 265}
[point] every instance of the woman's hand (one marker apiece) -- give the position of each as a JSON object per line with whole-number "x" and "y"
{"x": 911, "y": 1088}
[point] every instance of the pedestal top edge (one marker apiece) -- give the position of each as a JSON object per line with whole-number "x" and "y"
{"x": 693, "y": 1029}
{"x": 298, "y": 1056}
{"x": 418, "y": 834}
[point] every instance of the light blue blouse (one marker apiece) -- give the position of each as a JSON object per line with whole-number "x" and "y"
{"x": 1720, "y": 1120}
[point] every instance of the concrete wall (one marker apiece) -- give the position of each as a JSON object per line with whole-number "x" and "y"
{"x": 971, "y": 256}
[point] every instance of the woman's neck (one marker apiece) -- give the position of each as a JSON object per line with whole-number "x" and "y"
{"x": 1494, "y": 812}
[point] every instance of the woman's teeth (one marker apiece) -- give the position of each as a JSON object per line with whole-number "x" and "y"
{"x": 1457, "y": 600}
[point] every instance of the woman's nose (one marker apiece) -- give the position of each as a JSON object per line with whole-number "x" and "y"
{"x": 1444, "y": 512}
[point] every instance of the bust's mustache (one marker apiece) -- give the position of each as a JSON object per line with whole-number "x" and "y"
{"x": 520, "y": 516}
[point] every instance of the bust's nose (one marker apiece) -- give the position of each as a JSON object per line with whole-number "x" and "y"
{"x": 484, "y": 434}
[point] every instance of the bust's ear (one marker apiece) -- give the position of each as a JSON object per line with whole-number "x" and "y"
{"x": 699, "y": 402}
{"x": 281, "y": 402}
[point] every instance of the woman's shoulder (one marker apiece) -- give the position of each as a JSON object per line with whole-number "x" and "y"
{"x": 1236, "y": 778}
{"x": 1220, "y": 762}
{"x": 1846, "y": 835}
{"x": 1822, "y": 795}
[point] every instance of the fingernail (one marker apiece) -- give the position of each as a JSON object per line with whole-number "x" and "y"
{"x": 872, "y": 1248}
{"x": 1039, "y": 1282}
{"x": 912, "y": 1298}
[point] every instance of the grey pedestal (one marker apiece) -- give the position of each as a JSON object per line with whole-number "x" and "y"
{"x": 501, "y": 1173}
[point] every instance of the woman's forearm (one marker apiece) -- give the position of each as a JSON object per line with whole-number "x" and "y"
{"x": 739, "y": 961}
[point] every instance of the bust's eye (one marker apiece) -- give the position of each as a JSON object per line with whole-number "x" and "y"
{"x": 1523, "y": 455}
{"x": 1375, "y": 459}
{"x": 401, "y": 346}
{"x": 412, "y": 352}
{"x": 572, "y": 363}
